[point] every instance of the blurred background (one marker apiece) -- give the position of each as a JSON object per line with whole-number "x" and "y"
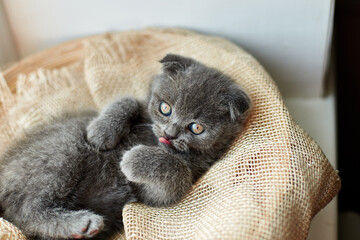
{"x": 309, "y": 47}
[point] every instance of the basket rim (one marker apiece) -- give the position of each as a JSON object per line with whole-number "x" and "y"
{"x": 54, "y": 57}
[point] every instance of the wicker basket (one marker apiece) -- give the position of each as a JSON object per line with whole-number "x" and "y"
{"x": 269, "y": 185}
{"x": 55, "y": 57}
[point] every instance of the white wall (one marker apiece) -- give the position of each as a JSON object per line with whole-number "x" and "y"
{"x": 290, "y": 38}
{"x": 7, "y": 46}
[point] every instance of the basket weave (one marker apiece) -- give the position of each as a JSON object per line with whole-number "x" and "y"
{"x": 269, "y": 185}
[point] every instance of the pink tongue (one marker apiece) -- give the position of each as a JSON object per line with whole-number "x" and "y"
{"x": 164, "y": 140}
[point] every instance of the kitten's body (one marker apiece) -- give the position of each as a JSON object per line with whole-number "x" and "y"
{"x": 64, "y": 171}
{"x": 72, "y": 178}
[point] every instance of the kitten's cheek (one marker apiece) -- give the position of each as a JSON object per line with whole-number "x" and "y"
{"x": 157, "y": 131}
{"x": 200, "y": 145}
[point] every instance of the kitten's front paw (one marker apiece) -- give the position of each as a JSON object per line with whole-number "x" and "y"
{"x": 102, "y": 135}
{"x": 131, "y": 163}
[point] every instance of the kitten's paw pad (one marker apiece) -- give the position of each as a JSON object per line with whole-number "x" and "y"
{"x": 77, "y": 236}
{"x": 91, "y": 226}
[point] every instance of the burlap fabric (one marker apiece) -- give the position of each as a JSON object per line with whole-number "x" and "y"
{"x": 269, "y": 185}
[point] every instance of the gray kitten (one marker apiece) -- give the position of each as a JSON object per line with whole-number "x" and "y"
{"x": 72, "y": 178}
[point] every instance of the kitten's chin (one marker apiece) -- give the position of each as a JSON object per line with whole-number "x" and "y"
{"x": 180, "y": 145}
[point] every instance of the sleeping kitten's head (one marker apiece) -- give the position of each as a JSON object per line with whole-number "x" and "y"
{"x": 194, "y": 106}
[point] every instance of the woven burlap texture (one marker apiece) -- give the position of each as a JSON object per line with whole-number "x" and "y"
{"x": 269, "y": 185}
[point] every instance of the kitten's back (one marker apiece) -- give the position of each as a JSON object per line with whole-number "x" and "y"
{"x": 40, "y": 161}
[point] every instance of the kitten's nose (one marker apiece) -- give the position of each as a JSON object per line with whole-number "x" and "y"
{"x": 172, "y": 132}
{"x": 169, "y": 137}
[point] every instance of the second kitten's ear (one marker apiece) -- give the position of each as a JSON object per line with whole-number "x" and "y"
{"x": 173, "y": 63}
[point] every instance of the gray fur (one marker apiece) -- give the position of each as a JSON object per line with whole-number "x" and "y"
{"x": 72, "y": 178}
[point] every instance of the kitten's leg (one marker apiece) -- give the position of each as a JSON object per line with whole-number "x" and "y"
{"x": 57, "y": 222}
{"x": 164, "y": 178}
{"x": 105, "y": 131}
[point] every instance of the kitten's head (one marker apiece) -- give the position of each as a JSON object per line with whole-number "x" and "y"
{"x": 194, "y": 106}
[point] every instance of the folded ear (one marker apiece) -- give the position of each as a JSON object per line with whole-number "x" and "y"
{"x": 238, "y": 102}
{"x": 173, "y": 63}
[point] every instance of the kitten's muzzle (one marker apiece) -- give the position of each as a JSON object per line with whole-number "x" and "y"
{"x": 171, "y": 132}
{"x": 169, "y": 137}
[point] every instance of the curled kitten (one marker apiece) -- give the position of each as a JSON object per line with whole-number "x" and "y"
{"x": 71, "y": 178}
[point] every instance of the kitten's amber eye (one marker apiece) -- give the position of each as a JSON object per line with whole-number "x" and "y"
{"x": 165, "y": 109}
{"x": 196, "y": 128}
